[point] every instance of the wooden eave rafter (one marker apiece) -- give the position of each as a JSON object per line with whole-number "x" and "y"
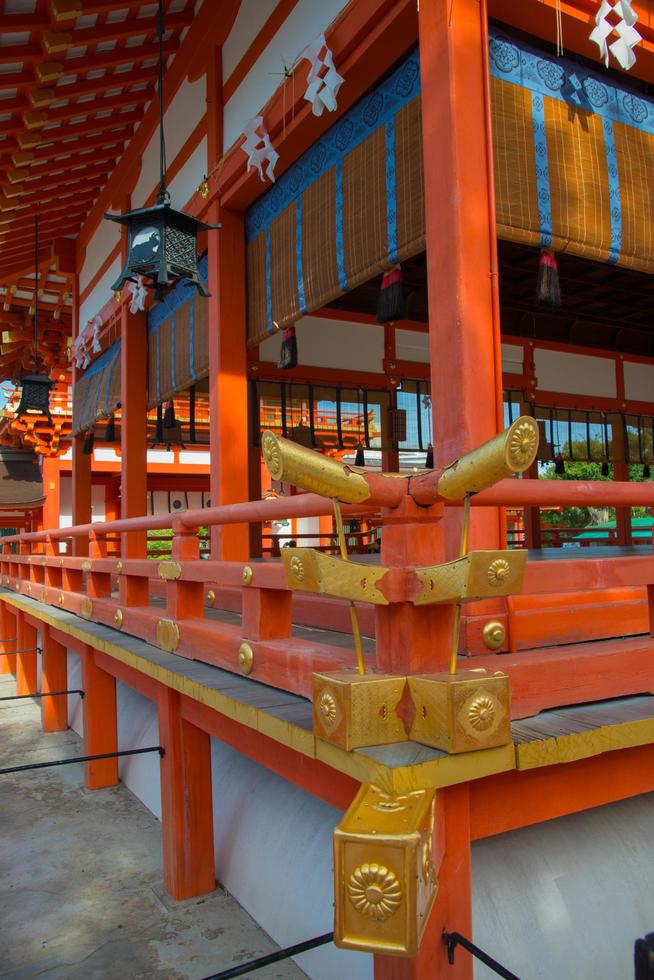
{"x": 60, "y": 118}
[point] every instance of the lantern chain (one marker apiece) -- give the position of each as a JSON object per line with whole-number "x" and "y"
{"x": 163, "y": 194}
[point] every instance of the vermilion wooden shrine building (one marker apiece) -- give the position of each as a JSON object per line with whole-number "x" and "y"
{"x": 446, "y": 731}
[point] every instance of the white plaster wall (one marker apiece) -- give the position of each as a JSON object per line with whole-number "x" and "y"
{"x": 412, "y": 346}
{"x": 105, "y": 238}
{"x": 137, "y": 729}
{"x": 308, "y": 525}
{"x": 100, "y": 294}
{"x": 306, "y": 21}
{"x": 274, "y": 855}
{"x": 251, "y": 17}
{"x": 566, "y": 898}
{"x": 75, "y": 718}
{"x": 181, "y": 118}
{"x": 333, "y": 344}
{"x": 66, "y": 502}
{"x": 186, "y": 182}
{"x": 512, "y": 358}
{"x": 639, "y": 381}
{"x": 576, "y": 374}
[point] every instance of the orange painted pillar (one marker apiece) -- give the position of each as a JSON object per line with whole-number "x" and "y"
{"x": 186, "y": 802}
{"x": 8, "y": 631}
{"x": 228, "y": 393}
{"x": 466, "y": 365}
{"x": 26, "y": 663}
{"x": 54, "y": 677}
{"x": 452, "y": 909}
{"x": 51, "y": 470}
{"x": 133, "y": 442}
{"x": 100, "y": 722}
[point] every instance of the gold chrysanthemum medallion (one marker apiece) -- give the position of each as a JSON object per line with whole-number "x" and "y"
{"x": 374, "y": 891}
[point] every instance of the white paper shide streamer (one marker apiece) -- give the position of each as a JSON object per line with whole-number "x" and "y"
{"x": 627, "y": 35}
{"x": 138, "y": 293}
{"x": 324, "y": 81}
{"x": 87, "y": 343}
{"x": 259, "y": 149}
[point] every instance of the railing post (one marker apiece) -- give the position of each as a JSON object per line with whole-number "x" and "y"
{"x": 53, "y": 573}
{"x": 98, "y": 583}
{"x": 8, "y": 629}
{"x": 26, "y": 663}
{"x": 184, "y": 600}
{"x": 186, "y": 802}
{"x": 267, "y": 613}
{"x": 100, "y": 722}
{"x": 54, "y": 677}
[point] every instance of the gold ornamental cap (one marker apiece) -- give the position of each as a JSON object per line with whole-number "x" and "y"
{"x": 512, "y": 451}
{"x": 309, "y": 470}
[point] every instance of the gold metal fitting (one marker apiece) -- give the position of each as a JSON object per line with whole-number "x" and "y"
{"x": 461, "y": 712}
{"x": 385, "y": 881}
{"x": 86, "y": 565}
{"x": 211, "y": 597}
{"x": 247, "y": 575}
{"x": 512, "y": 451}
{"x": 169, "y": 570}
{"x": 354, "y": 710}
{"x": 167, "y": 635}
{"x": 117, "y": 295}
{"x": 308, "y": 570}
{"x": 86, "y": 609}
{"x": 29, "y": 589}
{"x": 245, "y": 658}
{"x": 119, "y": 566}
{"x": 477, "y": 575}
{"x": 312, "y": 471}
{"x": 118, "y": 618}
{"x": 61, "y": 599}
{"x": 493, "y": 635}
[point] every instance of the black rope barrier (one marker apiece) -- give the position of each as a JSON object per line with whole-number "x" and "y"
{"x": 454, "y": 939}
{"x": 13, "y": 639}
{"x": 82, "y": 758}
{"x": 42, "y": 694}
{"x": 281, "y": 954}
{"x": 12, "y": 653}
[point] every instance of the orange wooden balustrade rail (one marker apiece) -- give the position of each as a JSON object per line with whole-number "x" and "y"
{"x": 129, "y": 592}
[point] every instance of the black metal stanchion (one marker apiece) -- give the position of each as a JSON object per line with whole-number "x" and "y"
{"x": 281, "y": 954}
{"x": 42, "y": 694}
{"x": 82, "y": 758}
{"x": 454, "y": 939}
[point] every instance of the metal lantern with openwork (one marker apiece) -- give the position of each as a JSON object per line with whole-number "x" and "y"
{"x": 162, "y": 247}
{"x": 35, "y": 396}
{"x": 162, "y": 242}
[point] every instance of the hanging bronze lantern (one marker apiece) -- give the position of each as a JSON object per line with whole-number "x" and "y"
{"x": 35, "y": 388}
{"x": 35, "y": 396}
{"x": 162, "y": 242}
{"x": 162, "y": 247}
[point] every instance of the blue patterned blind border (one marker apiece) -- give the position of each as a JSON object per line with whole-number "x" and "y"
{"x": 372, "y": 111}
{"x": 182, "y": 293}
{"x": 577, "y": 86}
{"x": 102, "y": 361}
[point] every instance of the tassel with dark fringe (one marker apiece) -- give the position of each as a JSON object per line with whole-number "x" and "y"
{"x": 110, "y": 431}
{"x": 169, "y": 420}
{"x": 390, "y": 302}
{"x": 360, "y": 458}
{"x": 604, "y": 468}
{"x": 89, "y": 439}
{"x": 429, "y": 459}
{"x": 548, "y": 288}
{"x": 559, "y": 465}
{"x": 288, "y": 352}
{"x": 646, "y": 470}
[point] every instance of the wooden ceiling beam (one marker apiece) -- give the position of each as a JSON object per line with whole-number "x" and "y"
{"x": 70, "y": 147}
{"x": 119, "y": 56}
{"x": 27, "y": 173}
{"x": 58, "y": 133}
{"x": 135, "y": 27}
{"x": 61, "y": 177}
{"x": 23, "y": 23}
{"x": 90, "y": 107}
{"x": 94, "y": 86}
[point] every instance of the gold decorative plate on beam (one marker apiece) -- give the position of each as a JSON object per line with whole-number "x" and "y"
{"x": 308, "y": 570}
{"x": 478, "y": 575}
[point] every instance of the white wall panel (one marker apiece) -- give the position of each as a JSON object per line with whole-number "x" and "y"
{"x": 138, "y": 728}
{"x": 333, "y": 344}
{"x": 100, "y": 294}
{"x": 306, "y": 21}
{"x": 105, "y": 238}
{"x": 412, "y": 346}
{"x": 639, "y": 381}
{"x": 75, "y": 718}
{"x": 576, "y": 374}
{"x": 567, "y": 898}
{"x": 251, "y": 17}
{"x": 186, "y": 182}
{"x": 512, "y": 358}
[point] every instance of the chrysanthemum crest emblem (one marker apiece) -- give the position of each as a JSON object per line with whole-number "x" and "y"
{"x": 498, "y": 570}
{"x": 272, "y": 455}
{"x": 374, "y": 891}
{"x": 481, "y": 712}
{"x": 523, "y": 443}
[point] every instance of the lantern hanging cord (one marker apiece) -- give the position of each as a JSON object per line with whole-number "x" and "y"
{"x": 36, "y": 293}
{"x": 163, "y": 194}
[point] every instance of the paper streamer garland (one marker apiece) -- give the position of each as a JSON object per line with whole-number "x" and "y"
{"x": 259, "y": 149}
{"x": 628, "y": 36}
{"x": 139, "y": 293}
{"x": 323, "y": 81}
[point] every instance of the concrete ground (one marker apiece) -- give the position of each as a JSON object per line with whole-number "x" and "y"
{"x": 81, "y": 882}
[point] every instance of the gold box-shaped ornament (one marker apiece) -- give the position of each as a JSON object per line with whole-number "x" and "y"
{"x": 385, "y": 882}
{"x": 461, "y": 712}
{"x": 354, "y": 710}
